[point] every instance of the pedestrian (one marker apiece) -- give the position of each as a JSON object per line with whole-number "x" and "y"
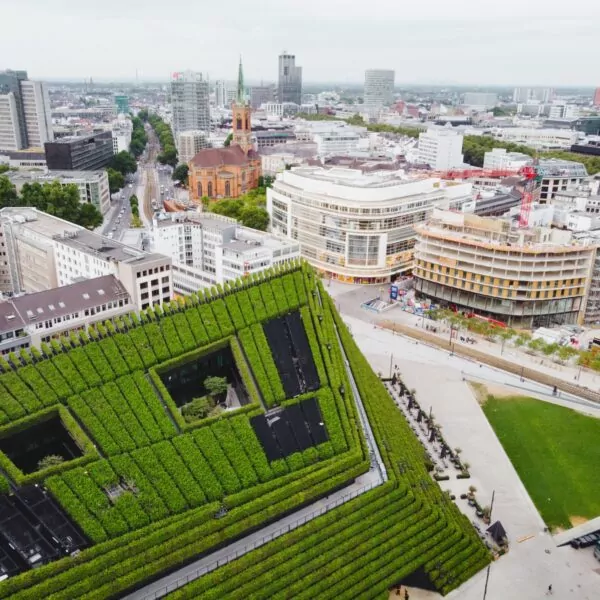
{"x": 550, "y": 589}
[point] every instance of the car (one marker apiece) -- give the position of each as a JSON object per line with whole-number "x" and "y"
{"x": 130, "y": 186}
{"x": 113, "y": 229}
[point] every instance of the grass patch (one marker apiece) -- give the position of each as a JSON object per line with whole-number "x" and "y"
{"x": 556, "y": 453}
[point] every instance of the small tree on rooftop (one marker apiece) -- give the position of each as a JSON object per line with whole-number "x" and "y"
{"x": 215, "y": 386}
{"x": 51, "y": 460}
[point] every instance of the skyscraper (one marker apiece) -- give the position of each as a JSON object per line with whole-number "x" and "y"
{"x": 289, "y": 87}
{"x": 379, "y": 88}
{"x": 190, "y": 96}
{"x": 596, "y": 100}
{"x": 25, "y": 119}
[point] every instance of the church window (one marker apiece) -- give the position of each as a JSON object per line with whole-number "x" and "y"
{"x": 199, "y": 189}
{"x": 227, "y": 189}
{"x": 210, "y": 190}
{"x": 239, "y": 123}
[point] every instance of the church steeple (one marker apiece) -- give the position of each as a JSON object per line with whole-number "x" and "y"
{"x": 242, "y": 132}
{"x": 240, "y": 99}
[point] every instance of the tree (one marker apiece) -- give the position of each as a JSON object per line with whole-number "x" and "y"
{"x": 8, "y": 192}
{"x": 216, "y": 386}
{"x": 143, "y": 115}
{"x": 566, "y": 352}
{"x": 51, "y": 460}
{"x": 124, "y": 162}
{"x": 228, "y": 208}
{"x": 4, "y": 168}
{"x": 254, "y": 217}
{"x": 198, "y": 408}
{"x": 116, "y": 181}
{"x": 180, "y": 173}
{"x": 89, "y": 216}
{"x": 228, "y": 139}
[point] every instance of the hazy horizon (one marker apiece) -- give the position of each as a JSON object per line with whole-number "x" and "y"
{"x": 465, "y": 44}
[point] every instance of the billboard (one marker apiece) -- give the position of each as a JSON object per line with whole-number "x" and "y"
{"x": 394, "y": 292}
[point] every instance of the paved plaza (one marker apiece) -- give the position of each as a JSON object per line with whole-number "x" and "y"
{"x": 534, "y": 561}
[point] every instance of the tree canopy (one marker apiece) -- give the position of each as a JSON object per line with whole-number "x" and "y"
{"x": 138, "y": 137}
{"x": 53, "y": 198}
{"x": 228, "y": 139}
{"x": 180, "y": 173}
{"x": 116, "y": 181}
{"x": 168, "y": 155}
{"x": 124, "y": 162}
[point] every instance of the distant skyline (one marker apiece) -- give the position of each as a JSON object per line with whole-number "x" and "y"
{"x": 466, "y": 42}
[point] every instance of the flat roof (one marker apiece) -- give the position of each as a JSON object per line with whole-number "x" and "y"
{"x": 53, "y": 175}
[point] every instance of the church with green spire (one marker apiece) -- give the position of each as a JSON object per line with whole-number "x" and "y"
{"x": 242, "y": 129}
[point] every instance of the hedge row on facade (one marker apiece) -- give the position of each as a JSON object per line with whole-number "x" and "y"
{"x": 143, "y": 554}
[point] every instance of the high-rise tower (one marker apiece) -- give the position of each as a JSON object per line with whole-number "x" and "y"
{"x": 242, "y": 129}
{"x": 190, "y": 100}
{"x": 289, "y": 87}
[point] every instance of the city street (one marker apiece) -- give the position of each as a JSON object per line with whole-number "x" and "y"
{"x": 115, "y": 222}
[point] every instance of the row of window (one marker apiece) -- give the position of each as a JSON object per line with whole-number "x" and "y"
{"x": 147, "y": 272}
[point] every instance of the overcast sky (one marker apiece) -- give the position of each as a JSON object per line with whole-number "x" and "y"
{"x": 516, "y": 42}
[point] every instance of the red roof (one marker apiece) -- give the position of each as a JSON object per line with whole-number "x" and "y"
{"x": 217, "y": 157}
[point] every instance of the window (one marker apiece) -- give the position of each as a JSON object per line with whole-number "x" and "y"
{"x": 154, "y": 282}
{"x": 165, "y": 290}
{"x": 227, "y": 188}
{"x": 144, "y": 296}
{"x": 164, "y": 279}
{"x": 210, "y": 189}
{"x": 144, "y": 285}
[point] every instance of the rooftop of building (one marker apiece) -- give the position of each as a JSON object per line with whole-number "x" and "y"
{"x": 218, "y": 157}
{"x": 71, "y": 139}
{"x": 67, "y": 299}
{"x": 10, "y": 319}
{"x": 210, "y": 221}
{"x": 56, "y": 229}
{"x": 32, "y": 153}
{"x": 497, "y": 233}
{"x": 26, "y": 176}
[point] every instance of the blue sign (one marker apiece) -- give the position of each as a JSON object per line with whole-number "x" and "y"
{"x": 394, "y": 292}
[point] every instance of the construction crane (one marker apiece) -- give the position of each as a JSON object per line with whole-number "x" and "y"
{"x": 531, "y": 173}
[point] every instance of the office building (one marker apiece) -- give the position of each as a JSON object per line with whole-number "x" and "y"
{"x": 499, "y": 159}
{"x": 480, "y": 100}
{"x": 80, "y": 153}
{"x": 25, "y": 118}
{"x": 558, "y": 175}
{"x": 190, "y": 100}
{"x": 31, "y": 319}
{"x": 379, "y": 88}
{"x": 44, "y": 252}
{"x": 272, "y": 137}
{"x": 289, "y": 88}
{"x": 357, "y": 226}
{"x": 526, "y": 278}
{"x": 563, "y": 111}
{"x": 207, "y": 249}
{"x": 261, "y": 94}
{"x": 441, "y": 149}
{"x": 189, "y": 143}
{"x": 121, "y": 104}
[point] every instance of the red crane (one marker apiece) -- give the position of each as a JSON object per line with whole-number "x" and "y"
{"x": 530, "y": 173}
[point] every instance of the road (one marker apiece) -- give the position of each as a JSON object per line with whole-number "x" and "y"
{"x": 115, "y": 222}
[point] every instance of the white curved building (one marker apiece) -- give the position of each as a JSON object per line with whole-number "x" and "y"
{"x": 357, "y": 226}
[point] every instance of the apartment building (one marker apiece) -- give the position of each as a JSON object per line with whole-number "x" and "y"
{"x": 211, "y": 249}
{"x": 357, "y": 226}
{"x": 92, "y": 185}
{"x": 337, "y": 142}
{"x": 122, "y": 130}
{"x": 525, "y": 278}
{"x": 480, "y": 100}
{"x": 441, "y": 149}
{"x": 39, "y": 252}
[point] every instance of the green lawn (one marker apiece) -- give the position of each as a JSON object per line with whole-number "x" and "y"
{"x": 556, "y": 452}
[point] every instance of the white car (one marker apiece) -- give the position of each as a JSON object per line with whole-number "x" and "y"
{"x": 130, "y": 185}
